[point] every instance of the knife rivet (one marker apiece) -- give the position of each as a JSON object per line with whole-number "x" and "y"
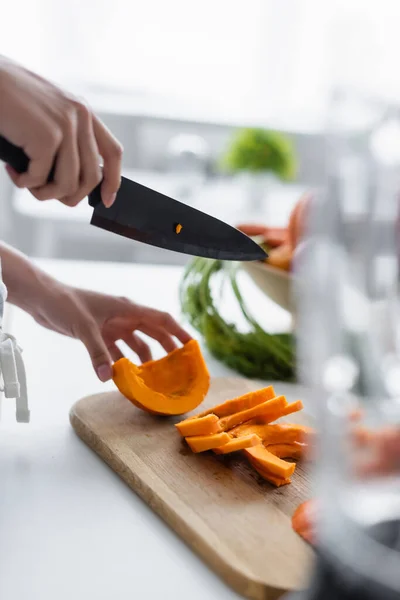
{"x": 178, "y": 228}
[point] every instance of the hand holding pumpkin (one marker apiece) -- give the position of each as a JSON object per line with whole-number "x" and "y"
{"x": 100, "y": 320}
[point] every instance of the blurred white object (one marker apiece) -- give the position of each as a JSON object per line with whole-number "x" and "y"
{"x": 187, "y": 158}
{"x": 12, "y": 369}
{"x": 275, "y": 283}
{"x": 349, "y": 347}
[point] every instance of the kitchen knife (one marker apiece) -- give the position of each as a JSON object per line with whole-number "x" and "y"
{"x": 147, "y": 216}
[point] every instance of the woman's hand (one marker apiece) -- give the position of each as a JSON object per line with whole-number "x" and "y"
{"x": 100, "y": 320}
{"x": 48, "y": 123}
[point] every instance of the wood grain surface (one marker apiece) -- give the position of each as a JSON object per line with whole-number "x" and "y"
{"x": 238, "y": 523}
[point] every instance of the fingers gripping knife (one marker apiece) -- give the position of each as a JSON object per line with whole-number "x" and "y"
{"x": 147, "y": 216}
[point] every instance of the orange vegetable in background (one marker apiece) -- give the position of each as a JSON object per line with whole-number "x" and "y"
{"x": 173, "y": 385}
{"x": 303, "y": 521}
{"x": 252, "y": 229}
{"x": 282, "y": 241}
{"x": 297, "y": 221}
{"x": 280, "y": 257}
{"x": 272, "y": 236}
{"x": 276, "y": 236}
{"x": 381, "y": 451}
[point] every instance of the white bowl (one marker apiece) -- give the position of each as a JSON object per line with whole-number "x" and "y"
{"x": 275, "y": 283}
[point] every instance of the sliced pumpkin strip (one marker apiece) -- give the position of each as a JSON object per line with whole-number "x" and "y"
{"x": 268, "y": 476}
{"x": 294, "y": 450}
{"x": 240, "y": 403}
{"x": 270, "y": 410}
{"x": 260, "y": 456}
{"x": 275, "y": 433}
{"x": 201, "y": 426}
{"x": 202, "y": 443}
{"x": 288, "y": 410}
{"x": 238, "y": 444}
{"x": 293, "y": 407}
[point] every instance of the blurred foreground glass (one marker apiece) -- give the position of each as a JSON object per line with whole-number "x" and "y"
{"x": 349, "y": 349}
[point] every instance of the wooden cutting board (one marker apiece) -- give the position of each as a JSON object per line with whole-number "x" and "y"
{"x": 238, "y": 523}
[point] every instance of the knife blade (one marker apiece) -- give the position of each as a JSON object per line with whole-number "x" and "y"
{"x": 147, "y": 216}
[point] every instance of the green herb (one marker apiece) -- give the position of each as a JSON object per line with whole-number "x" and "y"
{"x": 254, "y": 353}
{"x": 260, "y": 150}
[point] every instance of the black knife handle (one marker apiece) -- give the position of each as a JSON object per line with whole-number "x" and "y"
{"x": 19, "y": 161}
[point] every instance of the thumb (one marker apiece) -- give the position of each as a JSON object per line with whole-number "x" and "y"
{"x": 101, "y": 359}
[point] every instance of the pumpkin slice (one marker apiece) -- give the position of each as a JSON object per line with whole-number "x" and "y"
{"x": 202, "y": 443}
{"x": 201, "y": 426}
{"x": 288, "y": 410}
{"x": 294, "y": 450}
{"x": 240, "y": 403}
{"x": 268, "y": 476}
{"x": 275, "y": 433}
{"x": 269, "y": 411}
{"x": 292, "y": 408}
{"x": 206, "y": 422}
{"x": 246, "y": 441}
{"x": 260, "y": 456}
{"x": 173, "y": 385}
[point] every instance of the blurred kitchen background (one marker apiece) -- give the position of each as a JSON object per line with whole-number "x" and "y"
{"x": 174, "y": 81}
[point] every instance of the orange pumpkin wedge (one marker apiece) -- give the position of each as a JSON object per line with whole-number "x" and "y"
{"x": 247, "y": 441}
{"x": 202, "y": 443}
{"x": 201, "y": 426}
{"x": 173, "y": 385}
{"x": 260, "y": 456}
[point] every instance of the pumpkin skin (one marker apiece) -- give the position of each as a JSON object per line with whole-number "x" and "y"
{"x": 173, "y": 385}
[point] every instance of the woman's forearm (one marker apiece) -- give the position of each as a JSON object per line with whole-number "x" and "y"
{"x": 25, "y": 282}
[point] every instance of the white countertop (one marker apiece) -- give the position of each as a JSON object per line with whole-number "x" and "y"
{"x": 69, "y": 527}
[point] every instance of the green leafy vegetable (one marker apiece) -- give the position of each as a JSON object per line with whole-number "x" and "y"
{"x": 261, "y": 150}
{"x": 254, "y": 353}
